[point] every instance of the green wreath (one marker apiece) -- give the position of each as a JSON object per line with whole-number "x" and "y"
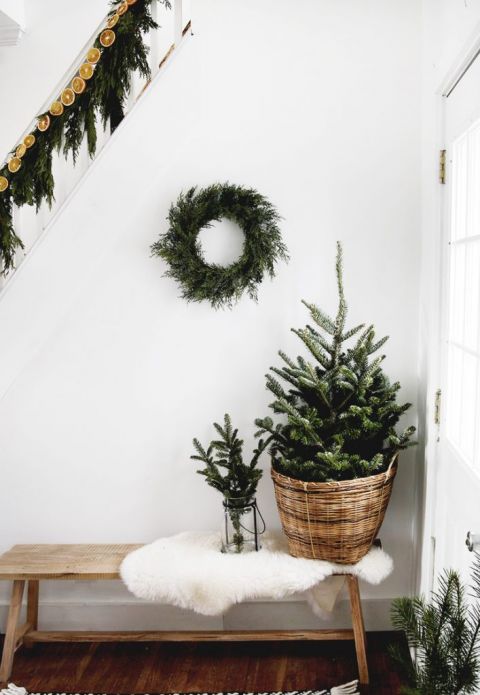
{"x": 180, "y": 248}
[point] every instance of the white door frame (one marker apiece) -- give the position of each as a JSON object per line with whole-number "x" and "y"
{"x": 432, "y": 299}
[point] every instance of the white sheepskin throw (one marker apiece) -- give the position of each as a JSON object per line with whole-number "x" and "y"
{"x": 188, "y": 570}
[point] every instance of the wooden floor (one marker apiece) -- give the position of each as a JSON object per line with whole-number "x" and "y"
{"x": 206, "y": 667}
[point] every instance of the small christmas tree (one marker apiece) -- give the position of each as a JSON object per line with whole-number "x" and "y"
{"x": 340, "y": 410}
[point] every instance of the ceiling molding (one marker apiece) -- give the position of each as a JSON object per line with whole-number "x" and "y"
{"x": 10, "y": 35}
{"x": 11, "y": 24}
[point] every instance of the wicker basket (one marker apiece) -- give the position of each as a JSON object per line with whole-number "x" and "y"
{"x": 335, "y": 521}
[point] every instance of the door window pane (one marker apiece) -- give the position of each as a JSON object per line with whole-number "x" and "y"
{"x": 462, "y": 384}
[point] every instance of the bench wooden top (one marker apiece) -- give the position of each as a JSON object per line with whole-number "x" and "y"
{"x": 83, "y": 561}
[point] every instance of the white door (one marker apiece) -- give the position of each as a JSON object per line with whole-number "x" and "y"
{"x": 458, "y": 476}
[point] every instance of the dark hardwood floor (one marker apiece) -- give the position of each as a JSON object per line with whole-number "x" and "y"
{"x": 205, "y": 667}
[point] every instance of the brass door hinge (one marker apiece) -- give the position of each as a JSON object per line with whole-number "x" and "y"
{"x": 438, "y": 404}
{"x": 442, "y": 166}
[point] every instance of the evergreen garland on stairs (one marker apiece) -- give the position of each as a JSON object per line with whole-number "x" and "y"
{"x": 340, "y": 410}
{"x": 103, "y": 100}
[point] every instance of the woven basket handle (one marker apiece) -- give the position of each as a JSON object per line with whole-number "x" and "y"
{"x": 386, "y": 477}
{"x": 394, "y": 458}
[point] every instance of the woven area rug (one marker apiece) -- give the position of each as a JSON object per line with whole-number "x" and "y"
{"x": 346, "y": 689}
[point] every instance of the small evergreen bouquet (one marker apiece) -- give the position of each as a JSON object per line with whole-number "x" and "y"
{"x": 226, "y": 471}
{"x": 340, "y": 409}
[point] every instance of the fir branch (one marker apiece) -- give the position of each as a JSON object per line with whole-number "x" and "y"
{"x": 313, "y": 345}
{"x": 321, "y": 319}
{"x": 239, "y": 480}
{"x": 445, "y": 635}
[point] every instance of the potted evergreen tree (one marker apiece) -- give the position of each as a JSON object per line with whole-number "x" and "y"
{"x": 334, "y": 454}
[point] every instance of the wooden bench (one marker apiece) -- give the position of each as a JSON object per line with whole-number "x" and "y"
{"x": 34, "y": 563}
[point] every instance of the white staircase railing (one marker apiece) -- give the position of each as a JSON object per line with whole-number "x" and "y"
{"x": 174, "y": 24}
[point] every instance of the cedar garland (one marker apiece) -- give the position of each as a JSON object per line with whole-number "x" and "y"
{"x": 103, "y": 100}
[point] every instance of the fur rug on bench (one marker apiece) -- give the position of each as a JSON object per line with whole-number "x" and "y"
{"x": 188, "y": 570}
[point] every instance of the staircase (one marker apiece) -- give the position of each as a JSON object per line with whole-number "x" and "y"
{"x": 30, "y": 225}
{"x": 65, "y": 243}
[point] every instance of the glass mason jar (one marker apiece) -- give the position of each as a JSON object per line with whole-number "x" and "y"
{"x": 240, "y": 532}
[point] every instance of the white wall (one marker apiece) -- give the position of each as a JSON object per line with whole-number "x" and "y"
{"x": 107, "y": 375}
{"x": 14, "y": 10}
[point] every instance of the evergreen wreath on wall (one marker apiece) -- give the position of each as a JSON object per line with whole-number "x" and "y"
{"x": 98, "y": 92}
{"x": 180, "y": 248}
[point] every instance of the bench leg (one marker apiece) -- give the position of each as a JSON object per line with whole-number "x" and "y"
{"x": 10, "y": 632}
{"x": 32, "y": 609}
{"x": 358, "y": 629}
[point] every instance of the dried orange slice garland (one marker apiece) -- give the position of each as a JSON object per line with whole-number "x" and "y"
{"x": 35, "y": 184}
{"x": 67, "y": 97}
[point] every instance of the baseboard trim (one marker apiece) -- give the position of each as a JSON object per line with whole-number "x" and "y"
{"x": 137, "y": 615}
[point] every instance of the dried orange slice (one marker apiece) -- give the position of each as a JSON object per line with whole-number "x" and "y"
{"x": 3, "y": 184}
{"x": 86, "y": 71}
{"x": 14, "y": 164}
{"x": 121, "y": 9}
{"x": 20, "y": 151}
{"x": 78, "y": 85}
{"x": 43, "y": 123}
{"x": 131, "y": 2}
{"x": 56, "y": 109}
{"x": 29, "y": 140}
{"x": 68, "y": 96}
{"x": 113, "y": 20}
{"x": 93, "y": 55}
{"x": 107, "y": 37}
